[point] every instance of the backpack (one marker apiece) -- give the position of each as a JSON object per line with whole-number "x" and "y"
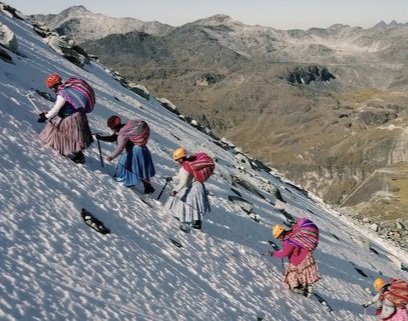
{"x": 397, "y": 293}
{"x": 304, "y": 234}
{"x": 138, "y": 131}
{"x": 201, "y": 166}
{"x": 78, "y": 93}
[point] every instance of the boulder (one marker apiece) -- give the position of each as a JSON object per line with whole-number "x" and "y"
{"x": 168, "y": 105}
{"x": 140, "y": 90}
{"x": 4, "y": 10}
{"x": 11, "y": 12}
{"x": 374, "y": 227}
{"x": 8, "y": 38}
{"x": 245, "y": 205}
{"x": 248, "y": 186}
{"x": 71, "y": 53}
{"x": 41, "y": 29}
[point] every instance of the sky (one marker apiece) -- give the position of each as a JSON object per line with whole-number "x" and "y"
{"x": 55, "y": 267}
{"x": 279, "y": 14}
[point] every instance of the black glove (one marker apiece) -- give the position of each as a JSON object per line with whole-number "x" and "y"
{"x": 169, "y": 179}
{"x": 268, "y": 253}
{"x": 365, "y": 305}
{"x": 42, "y": 118}
{"x": 173, "y": 193}
{"x": 273, "y": 244}
{"x": 97, "y": 137}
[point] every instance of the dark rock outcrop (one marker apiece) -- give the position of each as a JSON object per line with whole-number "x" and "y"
{"x": 305, "y": 75}
{"x": 5, "y": 56}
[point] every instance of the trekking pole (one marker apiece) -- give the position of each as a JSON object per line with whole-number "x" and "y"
{"x": 29, "y": 97}
{"x": 283, "y": 266}
{"x": 32, "y": 102}
{"x": 162, "y": 190}
{"x": 326, "y": 288}
{"x": 100, "y": 151}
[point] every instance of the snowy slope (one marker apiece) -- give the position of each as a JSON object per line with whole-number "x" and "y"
{"x": 54, "y": 267}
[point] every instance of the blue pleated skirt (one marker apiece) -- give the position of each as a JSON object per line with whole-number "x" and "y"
{"x": 134, "y": 166}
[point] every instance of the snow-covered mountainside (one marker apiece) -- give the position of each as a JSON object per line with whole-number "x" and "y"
{"x": 55, "y": 267}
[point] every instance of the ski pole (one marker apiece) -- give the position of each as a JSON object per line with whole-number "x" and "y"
{"x": 100, "y": 151}
{"x": 162, "y": 190}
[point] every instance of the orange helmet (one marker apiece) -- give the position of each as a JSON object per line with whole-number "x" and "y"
{"x": 277, "y": 230}
{"x": 113, "y": 122}
{"x": 179, "y": 153}
{"x": 53, "y": 80}
{"x": 378, "y": 284}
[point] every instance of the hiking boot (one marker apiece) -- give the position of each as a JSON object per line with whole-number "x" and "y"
{"x": 308, "y": 291}
{"x": 185, "y": 227}
{"x": 78, "y": 157}
{"x": 299, "y": 290}
{"x": 149, "y": 189}
{"x": 196, "y": 224}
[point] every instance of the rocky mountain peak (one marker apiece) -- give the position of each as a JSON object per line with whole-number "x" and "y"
{"x": 338, "y": 27}
{"x": 79, "y": 23}
{"x": 394, "y": 24}
{"x": 381, "y": 24}
{"x": 218, "y": 19}
{"x": 75, "y": 10}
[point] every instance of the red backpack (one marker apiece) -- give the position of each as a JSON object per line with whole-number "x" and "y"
{"x": 397, "y": 293}
{"x": 201, "y": 166}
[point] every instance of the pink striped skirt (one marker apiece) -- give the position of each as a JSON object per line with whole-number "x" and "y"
{"x": 67, "y": 135}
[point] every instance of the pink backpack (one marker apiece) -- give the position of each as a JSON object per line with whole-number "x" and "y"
{"x": 201, "y": 166}
{"x": 138, "y": 131}
{"x": 78, "y": 93}
{"x": 304, "y": 234}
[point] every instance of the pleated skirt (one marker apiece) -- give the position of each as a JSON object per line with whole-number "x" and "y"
{"x": 134, "y": 166}
{"x": 190, "y": 204}
{"x": 67, "y": 135}
{"x": 304, "y": 274}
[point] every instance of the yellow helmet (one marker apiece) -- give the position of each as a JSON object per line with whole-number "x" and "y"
{"x": 378, "y": 284}
{"x": 277, "y": 230}
{"x": 179, "y": 153}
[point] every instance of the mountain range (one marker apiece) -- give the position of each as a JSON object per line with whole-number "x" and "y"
{"x": 326, "y": 106}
